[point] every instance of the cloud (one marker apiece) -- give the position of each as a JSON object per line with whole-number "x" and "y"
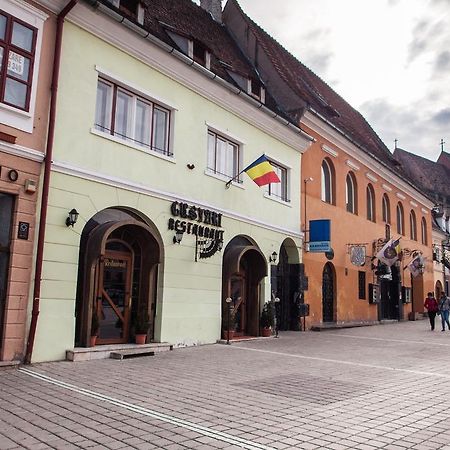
{"x": 442, "y": 62}
{"x": 442, "y": 117}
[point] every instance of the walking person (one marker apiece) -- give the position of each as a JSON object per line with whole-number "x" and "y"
{"x": 444, "y": 307}
{"x": 432, "y": 307}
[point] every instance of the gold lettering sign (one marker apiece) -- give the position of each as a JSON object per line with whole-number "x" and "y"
{"x": 119, "y": 263}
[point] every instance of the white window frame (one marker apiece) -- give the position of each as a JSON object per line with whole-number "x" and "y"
{"x": 351, "y": 197}
{"x": 324, "y": 193}
{"x": 136, "y": 95}
{"x": 370, "y": 199}
{"x": 287, "y": 194}
{"x": 217, "y": 135}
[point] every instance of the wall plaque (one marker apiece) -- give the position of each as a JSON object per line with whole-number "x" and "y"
{"x": 23, "y": 231}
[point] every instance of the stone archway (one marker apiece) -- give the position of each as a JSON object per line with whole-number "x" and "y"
{"x": 117, "y": 278}
{"x": 244, "y": 266}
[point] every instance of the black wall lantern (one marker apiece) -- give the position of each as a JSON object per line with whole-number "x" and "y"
{"x": 72, "y": 218}
{"x": 273, "y": 257}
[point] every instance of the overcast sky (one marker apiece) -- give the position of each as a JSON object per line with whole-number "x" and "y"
{"x": 390, "y": 59}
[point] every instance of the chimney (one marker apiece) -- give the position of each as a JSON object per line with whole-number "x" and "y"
{"x": 214, "y": 7}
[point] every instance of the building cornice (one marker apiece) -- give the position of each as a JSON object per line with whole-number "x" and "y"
{"x": 85, "y": 174}
{"x": 22, "y": 152}
{"x": 322, "y": 128}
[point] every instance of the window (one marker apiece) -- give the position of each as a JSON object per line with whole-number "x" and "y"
{"x": 350, "y": 193}
{"x": 132, "y": 118}
{"x": 370, "y": 199}
{"x": 327, "y": 181}
{"x": 424, "y": 231}
{"x": 223, "y": 156}
{"x": 279, "y": 190}
{"x": 400, "y": 219}
{"x": 17, "y": 51}
{"x": 386, "y": 209}
{"x": 131, "y": 8}
{"x": 413, "y": 225}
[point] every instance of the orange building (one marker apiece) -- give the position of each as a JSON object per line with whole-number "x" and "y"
{"x": 27, "y": 41}
{"x": 351, "y": 178}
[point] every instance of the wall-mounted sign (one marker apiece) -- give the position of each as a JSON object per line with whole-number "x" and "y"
{"x": 23, "y": 231}
{"x": 358, "y": 255}
{"x": 200, "y": 222}
{"x": 319, "y": 236}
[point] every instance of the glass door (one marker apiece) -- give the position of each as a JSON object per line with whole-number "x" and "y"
{"x": 114, "y": 298}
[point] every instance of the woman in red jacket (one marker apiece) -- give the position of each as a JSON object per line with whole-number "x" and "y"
{"x": 432, "y": 307}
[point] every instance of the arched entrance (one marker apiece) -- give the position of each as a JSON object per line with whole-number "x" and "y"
{"x": 117, "y": 277}
{"x": 285, "y": 282}
{"x": 438, "y": 289}
{"x": 328, "y": 293}
{"x": 244, "y": 266}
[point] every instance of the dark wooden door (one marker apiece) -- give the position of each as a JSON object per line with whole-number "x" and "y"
{"x": 328, "y": 309}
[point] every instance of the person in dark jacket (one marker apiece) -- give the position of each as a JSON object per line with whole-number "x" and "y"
{"x": 432, "y": 307}
{"x": 444, "y": 308}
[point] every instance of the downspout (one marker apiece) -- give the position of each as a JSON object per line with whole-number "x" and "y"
{"x": 46, "y": 183}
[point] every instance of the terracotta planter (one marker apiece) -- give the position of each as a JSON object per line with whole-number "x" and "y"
{"x": 141, "y": 338}
{"x": 93, "y": 340}
{"x": 230, "y": 334}
{"x": 267, "y": 332}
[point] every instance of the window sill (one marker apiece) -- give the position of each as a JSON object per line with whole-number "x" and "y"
{"x": 131, "y": 145}
{"x": 224, "y": 179}
{"x": 278, "y": 200}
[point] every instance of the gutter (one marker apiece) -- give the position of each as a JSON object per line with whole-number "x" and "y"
{"x": 46, "y": 183}
{"x": 190, "y": 62}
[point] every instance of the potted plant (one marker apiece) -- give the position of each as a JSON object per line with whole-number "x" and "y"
{"x": 229, "y": 333}
{"x": 141, "y": 326}
{"x": 267, "y": 319}
{"x": 95, "y": 325}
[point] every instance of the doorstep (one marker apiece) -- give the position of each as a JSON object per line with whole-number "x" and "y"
{"x": 237, "y": 339}
{"x": 104, "y": 351}
{"x": 4, "y": 365}
{"x": 342, "y": 325}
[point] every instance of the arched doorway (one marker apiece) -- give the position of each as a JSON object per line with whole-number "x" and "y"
{"x": 328, "y": 294}
{"x": 438, "y": 289}
{"x": 285, "y": 283}
{"x": 244, "y": 266}
{"x": 117, "y": 279}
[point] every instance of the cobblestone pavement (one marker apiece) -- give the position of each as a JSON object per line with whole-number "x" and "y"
{"x": 383, "y": 386}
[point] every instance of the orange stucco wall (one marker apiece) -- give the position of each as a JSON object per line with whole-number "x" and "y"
{"x": 26, "y": 202}
{"x": 348, "y": 228}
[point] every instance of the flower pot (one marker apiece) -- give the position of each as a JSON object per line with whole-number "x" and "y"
{"x": 140, "y": 338}
{"x": 266, "y": 332}
{"x": 229, "y": 333}
{"x": 93, "y": 341}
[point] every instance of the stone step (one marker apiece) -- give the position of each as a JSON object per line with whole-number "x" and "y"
{"x": 104, "y": 351}
{"x": 133, "y": 353}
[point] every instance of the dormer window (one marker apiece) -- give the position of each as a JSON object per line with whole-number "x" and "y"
{"x": 131, "y": 8}
{"x": 256, "y": 90}
{"x": 199, "y": 53}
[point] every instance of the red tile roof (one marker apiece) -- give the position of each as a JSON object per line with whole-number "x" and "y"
{"x": 317, "y": 94}
{"x": 432, "y": 177}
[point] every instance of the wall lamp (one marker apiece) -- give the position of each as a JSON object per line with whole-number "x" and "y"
{"x": 178, "y": 237}
{"x": 273, "y": 257}
{"x": 72, "y": 218}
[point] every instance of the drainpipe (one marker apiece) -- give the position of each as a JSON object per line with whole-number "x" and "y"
{"x": 46, "y": 182}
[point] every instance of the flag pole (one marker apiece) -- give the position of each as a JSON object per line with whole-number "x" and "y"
{"x": 228, "y": 183}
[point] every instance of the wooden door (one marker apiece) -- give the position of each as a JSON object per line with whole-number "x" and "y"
{"x": 114, "y": 298}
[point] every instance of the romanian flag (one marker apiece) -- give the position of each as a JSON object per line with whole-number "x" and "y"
{"x": 261, "y": 172}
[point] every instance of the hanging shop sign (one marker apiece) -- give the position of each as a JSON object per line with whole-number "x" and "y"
{"x": 357, "y": 254}
{"x": 319, "y": 236}
{"x": 194, "y": 220}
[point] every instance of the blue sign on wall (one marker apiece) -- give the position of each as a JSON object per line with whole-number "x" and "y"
{"x": 319, "y": 236}
{"x": 319, "y": 230}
